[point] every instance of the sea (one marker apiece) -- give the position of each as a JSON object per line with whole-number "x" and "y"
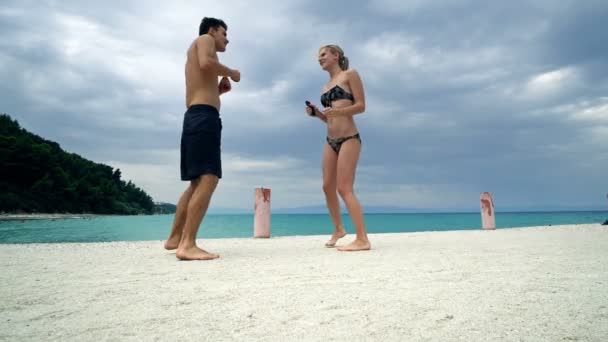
{"x": 156, "y": 227}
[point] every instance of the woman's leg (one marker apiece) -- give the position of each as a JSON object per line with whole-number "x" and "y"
{"x": 347, "y": 165}
{"x": 330, "y": 159}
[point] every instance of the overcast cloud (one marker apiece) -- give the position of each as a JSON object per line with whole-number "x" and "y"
{"x": 462, "y": 96}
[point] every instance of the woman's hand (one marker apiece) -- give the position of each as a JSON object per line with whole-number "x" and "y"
{"x": 310, "y": 108}
{"x": 317, "y": 113}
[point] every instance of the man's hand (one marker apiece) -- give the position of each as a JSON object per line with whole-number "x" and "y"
{"x": 224, "y": 85}
{"x": 235, "y": 75}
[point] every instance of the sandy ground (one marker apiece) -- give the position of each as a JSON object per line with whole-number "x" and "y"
{"x": 529, "y": 284}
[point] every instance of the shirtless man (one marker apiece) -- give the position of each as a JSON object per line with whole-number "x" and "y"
{"x": 201, "y": 136}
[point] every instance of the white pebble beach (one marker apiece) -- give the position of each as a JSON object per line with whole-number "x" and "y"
{"x": 519, "y": 284}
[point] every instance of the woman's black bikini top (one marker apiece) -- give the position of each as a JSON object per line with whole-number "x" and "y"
{"x": 333, "y": 94}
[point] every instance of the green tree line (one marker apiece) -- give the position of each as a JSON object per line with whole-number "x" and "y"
{"x": 38, "y": 176}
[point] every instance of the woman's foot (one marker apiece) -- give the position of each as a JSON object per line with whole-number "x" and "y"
{"x": 337, "y": 235}
{"x": 357, "y": 245}
{"x": 172, "y": 242}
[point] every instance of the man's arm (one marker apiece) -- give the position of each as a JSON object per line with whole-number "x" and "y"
{"x": 207, "y": 57}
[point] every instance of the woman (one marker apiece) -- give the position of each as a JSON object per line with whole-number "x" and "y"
{"x": 343, "y": 97}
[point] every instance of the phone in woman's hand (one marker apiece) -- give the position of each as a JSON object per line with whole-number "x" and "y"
{"x": 311, "y": 108}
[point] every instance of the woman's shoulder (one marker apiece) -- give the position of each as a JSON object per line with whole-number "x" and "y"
{"x": 351, "y": 74}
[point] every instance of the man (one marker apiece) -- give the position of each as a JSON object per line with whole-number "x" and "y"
{"x": 201, "y": 136}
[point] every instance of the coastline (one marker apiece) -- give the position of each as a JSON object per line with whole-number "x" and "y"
{"x": 43, "y": 216}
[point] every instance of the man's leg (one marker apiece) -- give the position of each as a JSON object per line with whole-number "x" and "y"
{"x": 204, "y": 187}
{"x": 180, "y": 219}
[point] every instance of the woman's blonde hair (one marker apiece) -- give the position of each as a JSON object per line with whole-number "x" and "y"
{"x": 342, "y": 60}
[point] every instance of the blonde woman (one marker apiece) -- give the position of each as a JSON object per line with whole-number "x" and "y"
{"x": 342, "y": 98}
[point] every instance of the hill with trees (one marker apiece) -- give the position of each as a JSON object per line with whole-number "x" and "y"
{"x": 37, "y": 176}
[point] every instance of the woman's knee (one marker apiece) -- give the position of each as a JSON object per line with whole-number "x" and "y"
{"x": 345, "y": 190}
{"x": 329, "y": 188}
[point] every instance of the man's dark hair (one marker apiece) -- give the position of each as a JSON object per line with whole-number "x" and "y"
{"x": 208, "y": 23}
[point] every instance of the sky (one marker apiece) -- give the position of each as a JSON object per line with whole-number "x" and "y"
{"x": 462, "y": 97}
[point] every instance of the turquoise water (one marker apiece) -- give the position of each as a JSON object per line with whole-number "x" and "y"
{"x": 136, "y": 228}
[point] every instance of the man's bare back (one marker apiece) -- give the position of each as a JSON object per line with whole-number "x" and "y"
{"x": 201, "y": 85}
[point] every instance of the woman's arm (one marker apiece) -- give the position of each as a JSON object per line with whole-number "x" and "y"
{"x": 356, "y": 88}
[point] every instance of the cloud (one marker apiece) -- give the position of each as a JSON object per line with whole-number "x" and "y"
{"x": 462, "y": 96}
{"x": 551, "y": 83}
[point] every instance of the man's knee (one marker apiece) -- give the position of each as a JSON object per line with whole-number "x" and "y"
{"x": 204, "y": 178}
{"x": 194, "y": 183}
{"x": 208, "y": 181}
{"x": 204, "y": 183}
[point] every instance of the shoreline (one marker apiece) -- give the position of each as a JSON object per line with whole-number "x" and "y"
{"x": 61, "y": 216}
{"x": 45, "y": 216}
{"x": 532, "y": 283}
{"x": 599, "y": 225}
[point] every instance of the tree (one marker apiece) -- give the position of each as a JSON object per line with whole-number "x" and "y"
{"x": 37, "y": 175}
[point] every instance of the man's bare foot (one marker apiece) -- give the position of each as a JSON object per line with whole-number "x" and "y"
{"x": 338, "y": 234}
{"x": 172, "y": 243}
{"x": 357, "y": 245}
{"x": 194, "y": 253}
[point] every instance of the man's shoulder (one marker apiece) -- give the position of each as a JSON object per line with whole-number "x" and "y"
{"x": 204, "y": 38}
{"x": 203, "y": 42}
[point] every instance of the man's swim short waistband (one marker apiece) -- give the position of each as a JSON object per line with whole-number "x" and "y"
{"x": 203, "y": 108}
